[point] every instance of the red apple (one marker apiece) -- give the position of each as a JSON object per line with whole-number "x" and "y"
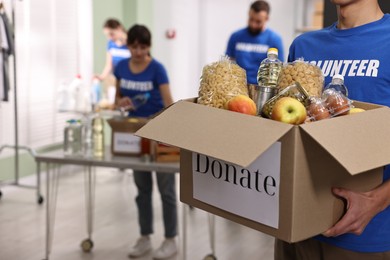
{"x": 289, "y": 110}
{"x": 242, "y": 104}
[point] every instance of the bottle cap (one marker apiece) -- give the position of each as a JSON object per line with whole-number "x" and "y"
{"x": 338, "y": 76}
{"x": 272, "y": 51}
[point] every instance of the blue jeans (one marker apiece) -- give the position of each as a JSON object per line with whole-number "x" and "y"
{"x": 167, "y": 188}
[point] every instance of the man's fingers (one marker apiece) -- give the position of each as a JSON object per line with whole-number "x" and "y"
{"x": 341, "y": 227}
{"x": 340, "y": 192}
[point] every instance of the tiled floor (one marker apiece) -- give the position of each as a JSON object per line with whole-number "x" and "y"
{"x": 22, "y": 223}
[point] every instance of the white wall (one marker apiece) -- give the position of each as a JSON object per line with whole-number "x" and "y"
{"x": 203, "y": 29}
{"x": 53, "y": 43}
{"x": 181, "y": 54}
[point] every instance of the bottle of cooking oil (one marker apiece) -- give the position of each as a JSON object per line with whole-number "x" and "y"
{"x": 269, "y": 69}
{"x": 98, "y": 136}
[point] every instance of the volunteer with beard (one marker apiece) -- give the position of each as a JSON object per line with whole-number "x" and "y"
{"x": 249, "y": 46}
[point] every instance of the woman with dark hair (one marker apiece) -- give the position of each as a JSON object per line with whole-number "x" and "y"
{"x": 143, "y": 76}
{"x": 116, "y": 46}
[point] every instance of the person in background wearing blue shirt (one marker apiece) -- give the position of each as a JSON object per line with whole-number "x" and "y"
{"x": 143, "y": 75}
{"x": 357, "y": 47}
{"x": 116, "y": 46}
{"x": 249, "y": 46}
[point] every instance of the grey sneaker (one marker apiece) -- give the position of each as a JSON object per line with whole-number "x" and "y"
{"x": 140, "y": 248}
{"x": 167, "y": 249}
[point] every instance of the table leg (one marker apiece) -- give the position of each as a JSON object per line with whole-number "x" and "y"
{"x": 48, "y": 202}
{"x": 90, "y": 181}
{"x": 212, "y": 232}
{"x": 39, "y": 195}
{"x": 211, "y": 219}
{"x": 184, "y": 246}
{"x": 51, "y": 197}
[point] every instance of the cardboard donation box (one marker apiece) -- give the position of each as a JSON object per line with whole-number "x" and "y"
{"x": 271, "y": 176}
{"x": 164, "y": 153}
{"x": 123, "y": 140}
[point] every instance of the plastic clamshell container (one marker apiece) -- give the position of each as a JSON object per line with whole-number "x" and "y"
{"x": 317, "y": 109}
{"x": 295, "y": 91}
{"x": 336, "y": 102}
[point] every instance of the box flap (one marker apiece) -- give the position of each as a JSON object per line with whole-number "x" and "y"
{"x": 127, "y": 124}
{"x": 222, "y": 134}
{"x": 359, "y": 142}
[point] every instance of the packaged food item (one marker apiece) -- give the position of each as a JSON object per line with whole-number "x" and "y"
{"x": 269, "y": 69}
{"x": 220, "y": 81}
{"x": 337, "y": 84}
{"x": 295, "y": 91}
{"x": 308, "y": 75}
{"x": 317, "y": 109}
{"x": 98, "y": 136}
{"x": 260, "y": 95}
{"x": 332, "y": 103}
{"x": 337, "y": 103}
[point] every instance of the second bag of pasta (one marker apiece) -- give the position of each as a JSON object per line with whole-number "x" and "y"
{"x": 221, "y": 81}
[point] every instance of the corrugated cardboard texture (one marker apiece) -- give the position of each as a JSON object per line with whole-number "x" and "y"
{"x": 315, "y": 209}
{"x": 356, "y": 141}
{"x": 315, "y": 157}
{"x": 286, "y": 190}
{"x": 218, "y": 133}
{"x": 365, "y": 105}
{"x": 127, "y": 125}
{"x": 307, "y": 206}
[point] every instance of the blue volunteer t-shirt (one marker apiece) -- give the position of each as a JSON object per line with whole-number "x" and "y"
{"x": 249, "y": 51}
{"x": 147, "y": 81}
{"x": 117, "y": 52}
{"x": 362, "y": 56}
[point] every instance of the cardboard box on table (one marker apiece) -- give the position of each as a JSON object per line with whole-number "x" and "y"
{"x": 123, "y": 140}
{"x": 164, "y": 153}
{"x": 125, "y": 143}
{"x": 348, "y": 151}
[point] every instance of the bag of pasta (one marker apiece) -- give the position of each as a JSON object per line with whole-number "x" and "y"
{"x": 308, "y": 75}
{"x": 221, "y": 81}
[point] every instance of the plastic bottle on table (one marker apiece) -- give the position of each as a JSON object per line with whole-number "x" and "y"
{"x": 65, "y": 100}
{"x": 96, "y": 91}
{"x": 80, "y": 94}
{"x": 74, "y": 89}
{"x": 337, "y": 84}
{"x": 73, "y": 138}
{"x": 269, "y": 69}
{"x": 87, "y": 136}
{"x": 76, "y": 82}
{"x": 98, "y": 136}
{"x": 140, "y": 100}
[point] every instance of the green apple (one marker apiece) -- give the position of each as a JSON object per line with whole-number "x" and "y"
{"x": 289, "y": 110}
